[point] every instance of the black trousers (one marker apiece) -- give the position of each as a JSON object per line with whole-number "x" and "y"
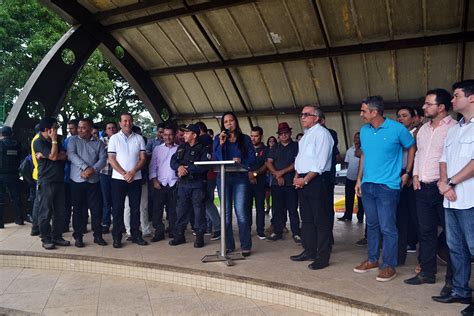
{"x": 406, "y": 215}
{"x": 429, "y": 207}
{"x": 51, "y": 207}
{"x": 67, "y": 204}
{"x": 11, "y": 183}
{"x": 86, "y": 196}
{"x": 120, "y": 189}
{"x": 316, "y": 218}
{"x": 257, "y": 194}
{"x": 285, "y": 199}
{"x": 350, "y": 195}
{"x": 164, "y": 198}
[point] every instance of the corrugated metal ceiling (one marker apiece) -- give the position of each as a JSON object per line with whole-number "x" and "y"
{"x": 268, "y": 27}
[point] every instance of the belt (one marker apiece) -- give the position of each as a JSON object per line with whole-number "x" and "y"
{"x": 429, "y": 184}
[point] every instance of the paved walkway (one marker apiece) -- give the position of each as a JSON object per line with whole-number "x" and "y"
{"x": 270, "y": 262}
{"x": 49, "y": 292}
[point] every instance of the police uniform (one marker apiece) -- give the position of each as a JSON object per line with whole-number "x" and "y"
{"x": 9, "y": 163}
{"x": 191, "y": 191}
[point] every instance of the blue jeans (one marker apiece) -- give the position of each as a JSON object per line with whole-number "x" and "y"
{"x": 105, "y": 187}
{"x": 380, "y": 205}
{"x": 237, "y": 193}
{"x": 460, "y": 236}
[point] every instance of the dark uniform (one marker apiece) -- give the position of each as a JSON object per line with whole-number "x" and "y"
{"x": 191, "y": 191}
{"x": 9, "y": 163}
{"x": 257, "y": 190}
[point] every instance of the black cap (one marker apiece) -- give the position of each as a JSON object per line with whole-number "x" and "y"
{"x": 6, "y": 131}
{"x": 192, "y": 128}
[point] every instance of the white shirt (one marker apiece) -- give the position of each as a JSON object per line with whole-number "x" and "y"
{"x": 458, "y": 151}
{"x": 353, "y": 161}
{"x": 127, "y": 151}
{"x": 315, "y": 151}
{"x": 160, "y": 165}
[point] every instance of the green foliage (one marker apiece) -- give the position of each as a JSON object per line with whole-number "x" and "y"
{"x": 27, "y": 32}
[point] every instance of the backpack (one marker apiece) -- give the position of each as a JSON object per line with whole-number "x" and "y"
{"x": 26, "y": 170}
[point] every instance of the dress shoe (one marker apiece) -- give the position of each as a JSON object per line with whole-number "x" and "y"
{"x": 79, "y": 243}
{"x": 19, "y": 222}
{"x": 420, "y": 279}
{"x": 61, "y": 242}
{"x": 317, "y": 265}
{"x": 117, "y": 244}
{"x": 48, "y": 245}
{"x": 304, "y": 256}
{"x": 452, "y": 298}
{"x": 158, "y": 237}
{"x": 199, "y": 242}
{"x": 468, "y": 311}
{"x": 343, "y": 219}
{"x": 100, "y": 241}
{"x": 29, "y": 218}
{"x": 139, "y": 241}
{"x": 246, "y": 253}
{"x": 34, "y": 233}
{"x": 446, "y": 290}
{"x": 177, "y": 240}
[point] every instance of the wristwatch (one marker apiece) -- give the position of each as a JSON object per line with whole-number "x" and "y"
{"x": 450, "y": 183}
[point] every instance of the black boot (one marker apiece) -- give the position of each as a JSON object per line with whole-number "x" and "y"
{"x": 199, "y": 242}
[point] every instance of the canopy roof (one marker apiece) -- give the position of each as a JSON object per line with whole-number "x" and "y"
{"x": 265, "y": 59}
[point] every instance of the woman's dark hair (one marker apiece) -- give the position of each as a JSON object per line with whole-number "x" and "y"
{"x": 268, "y": 140}
{"x": 238, "y": 133}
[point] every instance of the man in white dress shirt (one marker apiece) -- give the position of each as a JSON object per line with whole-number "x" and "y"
{"x": 456, "y": 183}
{"x": 312, "y": 165}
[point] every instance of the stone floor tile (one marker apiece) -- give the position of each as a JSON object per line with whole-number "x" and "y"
{"x": 215, "y": 302}
{"x": 189, "y": 305}
{"x": 33, "y": 302}
{"x": 34, "y": 280}
{"x": 7, "y": 275}
{"x": 85, "y": 310}
{"x": 73, "y": 297}
{"x": 77, "y": 280}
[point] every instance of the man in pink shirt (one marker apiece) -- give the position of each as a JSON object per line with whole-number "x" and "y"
{"x": 429, "y": 202}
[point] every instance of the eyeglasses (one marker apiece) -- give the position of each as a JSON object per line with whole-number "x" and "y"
{"x": 430, "y": 104}
{"x": 304, "y": 115}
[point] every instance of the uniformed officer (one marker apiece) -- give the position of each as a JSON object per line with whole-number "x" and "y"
{"x": 9, "y": 163}
{"x": 191, "y": 186}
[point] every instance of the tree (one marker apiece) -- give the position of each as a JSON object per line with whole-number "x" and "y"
{"x": 99, "y": 91}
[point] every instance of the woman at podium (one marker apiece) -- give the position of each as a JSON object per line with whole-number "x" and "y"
{"x": 232, "y": 144}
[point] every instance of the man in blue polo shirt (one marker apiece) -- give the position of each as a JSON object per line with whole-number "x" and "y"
{"x": 378, "y": 183}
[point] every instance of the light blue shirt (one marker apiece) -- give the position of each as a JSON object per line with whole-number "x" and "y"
{"x": 314, "y": 151}
{"x": 383, "y": 149}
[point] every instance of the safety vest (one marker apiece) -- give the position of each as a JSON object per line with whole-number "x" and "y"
{"x": 9, "y": 156}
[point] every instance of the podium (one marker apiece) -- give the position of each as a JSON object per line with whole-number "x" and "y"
{"x": 223, "y": 167}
